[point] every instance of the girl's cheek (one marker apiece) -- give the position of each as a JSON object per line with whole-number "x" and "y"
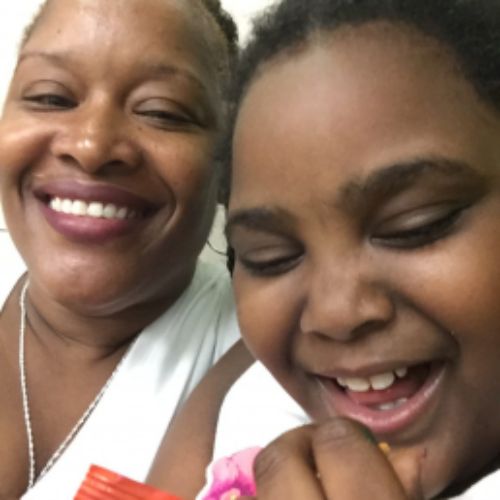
{"x": 267, "y": 312}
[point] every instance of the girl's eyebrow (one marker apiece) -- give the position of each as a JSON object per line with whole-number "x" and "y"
{"x": 358, "y": 194}
{"x": 389, "y": 180}
{"x": 266, "y": 218}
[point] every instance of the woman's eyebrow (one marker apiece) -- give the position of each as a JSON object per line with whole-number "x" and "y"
{"x": 147, "y": 71}
{"x": 55, "y": 58}
{"x": 395, "y": 178}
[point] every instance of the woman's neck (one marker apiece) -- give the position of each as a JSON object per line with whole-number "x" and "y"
{"x": 94, "y": 334}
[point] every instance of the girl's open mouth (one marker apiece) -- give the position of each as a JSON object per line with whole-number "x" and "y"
{"x": 385, "y": 402}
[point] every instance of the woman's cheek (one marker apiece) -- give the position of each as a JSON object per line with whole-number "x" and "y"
{"x": 22, "y": 141}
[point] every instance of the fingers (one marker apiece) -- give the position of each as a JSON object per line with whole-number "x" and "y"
{"x": 285, "y": 469}
{"x": 351, "y": 466}
{"x": 335, "y": 461}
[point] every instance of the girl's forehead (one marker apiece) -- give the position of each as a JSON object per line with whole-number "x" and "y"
{"x": 357, "y": 100}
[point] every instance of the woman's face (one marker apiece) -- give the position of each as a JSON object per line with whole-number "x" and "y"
{"x": 107, "y": 141}
{"x": 365, "y": 215}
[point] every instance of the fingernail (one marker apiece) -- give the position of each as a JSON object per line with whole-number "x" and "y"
{"x": 368, "y": 434}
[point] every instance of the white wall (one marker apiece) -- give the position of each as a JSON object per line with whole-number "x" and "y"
{"x": 14, "y": 16}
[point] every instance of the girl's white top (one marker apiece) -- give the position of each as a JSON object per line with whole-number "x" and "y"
{"x": 167, "y": 360}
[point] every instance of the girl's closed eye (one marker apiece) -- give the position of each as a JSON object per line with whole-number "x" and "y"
{"x": 419, "y": 227}
{"x": 266, "y": 259}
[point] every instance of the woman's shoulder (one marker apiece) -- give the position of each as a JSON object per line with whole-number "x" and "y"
{"x": 11, "y": 266}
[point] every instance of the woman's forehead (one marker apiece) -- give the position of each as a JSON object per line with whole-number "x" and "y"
{"x": 141, "y": 21}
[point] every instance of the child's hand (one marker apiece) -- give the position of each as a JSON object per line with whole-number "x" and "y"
{"x": 335, "y": 461}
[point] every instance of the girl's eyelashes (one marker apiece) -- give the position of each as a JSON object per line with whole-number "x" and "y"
{"x": 271, "y": 257}
{"x": 418, "y": 229}
{"x": 269, "y": 267}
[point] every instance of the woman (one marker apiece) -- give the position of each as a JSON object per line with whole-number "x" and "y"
{"x": 108, "y": 186}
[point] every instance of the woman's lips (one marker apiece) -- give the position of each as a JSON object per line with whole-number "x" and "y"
{"x": 72, "y": 190}
{"x": 403, "y": 403}
{"x": 91, "y": 213}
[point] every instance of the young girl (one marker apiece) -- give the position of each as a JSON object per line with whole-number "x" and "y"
{"x": 364, "y": 216}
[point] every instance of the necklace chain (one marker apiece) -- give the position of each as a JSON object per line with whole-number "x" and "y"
{"x": 32, "y": 477}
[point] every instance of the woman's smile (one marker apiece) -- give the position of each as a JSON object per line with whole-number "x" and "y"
{"x": 94, "y": 212}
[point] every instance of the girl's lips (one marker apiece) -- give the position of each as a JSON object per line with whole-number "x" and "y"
{"x": 388, "y": 421}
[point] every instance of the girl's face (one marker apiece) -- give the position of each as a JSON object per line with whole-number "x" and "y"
{"x": 365, "y": 217}
{"x": 106, "y": 148}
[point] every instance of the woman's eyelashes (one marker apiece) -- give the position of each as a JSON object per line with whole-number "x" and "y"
{"x": 159, "y": 112}
{"x": 48, "y": 96}
{"x": 166, "y": 113}
{"x": 418, "y": 228}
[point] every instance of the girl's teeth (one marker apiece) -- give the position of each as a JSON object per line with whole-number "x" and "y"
{"x": 377, "y": 382}
{"x": 392, "y": 404}
{"x": 382, "y": 381}
{"x": 93, "y": 209}
{"x": 357, "y": 384}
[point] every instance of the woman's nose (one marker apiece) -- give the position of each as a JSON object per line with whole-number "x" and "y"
{"x": 97, "y": 138}
{"x": 344, "y": 303}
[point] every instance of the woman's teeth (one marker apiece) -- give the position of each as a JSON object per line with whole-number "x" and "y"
{"x": 377, "y": 382}
{"x": 94, "y": 209}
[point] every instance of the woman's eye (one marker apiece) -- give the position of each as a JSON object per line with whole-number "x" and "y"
{"x": 418, "y": 229}
{"x": 166, "y": 117}
{"x": 265, "y": 267}
{"x": 49, "y": 101}
{"x": 164, "y": 114}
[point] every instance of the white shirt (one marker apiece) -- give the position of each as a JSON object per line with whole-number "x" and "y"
{"x": 162, "y": 367}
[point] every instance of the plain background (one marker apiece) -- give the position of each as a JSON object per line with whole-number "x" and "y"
{"x": 14, "y": 16}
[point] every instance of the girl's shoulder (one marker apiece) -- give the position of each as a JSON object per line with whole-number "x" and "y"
{"x": 255, "y": 411}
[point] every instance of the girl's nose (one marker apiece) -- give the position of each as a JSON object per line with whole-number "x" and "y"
{"x": 344, "y": 303}
{"x": 96, "y": 139}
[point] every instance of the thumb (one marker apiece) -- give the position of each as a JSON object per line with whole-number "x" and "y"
{"x": 408, "y": 465}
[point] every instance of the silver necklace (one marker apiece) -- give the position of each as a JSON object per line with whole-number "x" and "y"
{"x": 32, "y": 477}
